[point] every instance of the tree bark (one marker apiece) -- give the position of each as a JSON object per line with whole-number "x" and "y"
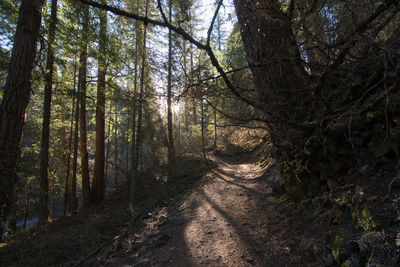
{"x": 44, "y": 149}
{"x": 108, "y": 143}
{"x": 273, "y": 56}
{"x": 15, "y": 100}
{"x": 75, "y": 118}
{"x": 13, "y": 216}
{"x": 82, "y": 113}
{"x": 171, "y": 146}
{"x": 116, "y": 145}
{"x": 99, "y": 185}
{"x": 138, "y": 142}
{"x": 134, "y": 110}
{"x": 72, "y": 198}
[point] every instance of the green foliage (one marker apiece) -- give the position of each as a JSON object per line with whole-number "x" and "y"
{"x": 235, "y": 56}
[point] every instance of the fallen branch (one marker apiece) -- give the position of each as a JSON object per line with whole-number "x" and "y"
{"x": 94, "y": 252}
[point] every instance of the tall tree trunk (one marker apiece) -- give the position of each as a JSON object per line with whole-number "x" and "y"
{"x": 219, "y": 39}
{"x": 138, "y": 142}
{"x": 186, "y": 99}
{"x": 44, "y": 149}
{"x": 215, "y": 129}
{"x": 108, "y": 143}
{"x": 116, "y": 145}
{"x": 203, "y": 143}
{"x": 82, "y": 113}
{"x": 127, "y": 147}
{"x": 162, "y": 131}
{"x": 134, "y": 110}
{"x": 99, "y": 185}
{"x": 13, "y": 214}
{"x": 15, "y": 100}
{"x": 72, "y": 199}
{"x": 171, "y": 146}
{"x": 71, "y": 131}
{"x": 27, "y": 202}
{"x": 194, "y": 106}
{"x": 67, "y": 162}
{"x": 273, "y": 57}
{"x": 151, "y": 132}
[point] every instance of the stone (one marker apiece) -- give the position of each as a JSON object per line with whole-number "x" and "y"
{"x": 143, "y": 263}
{"x": 357, "y": 141}
{"x": 162, "y": 220}
{"x": 352, "y": 261}
{"x": 332, "y": 184}
{"x": 161, "y": 240}
{"x": 339, "y": 249}
{"x": 317, "y": 202}
{"x": 328, "y": 259}
{"x": 163, "y": 261}
{"x": 371, "y": 246}
{"x": 380, "y": 149}
{"x": 363, "y": 218}
{"x": 363, "y": 170}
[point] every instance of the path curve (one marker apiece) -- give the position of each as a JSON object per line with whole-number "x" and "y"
{"x": 231, "y": 220}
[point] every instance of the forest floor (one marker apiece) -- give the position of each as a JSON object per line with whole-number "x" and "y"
{"x": 231, "y": 220}
{"x": 227, "y": 217}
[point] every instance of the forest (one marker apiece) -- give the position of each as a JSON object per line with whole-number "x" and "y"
{"x": 199, "y": 133}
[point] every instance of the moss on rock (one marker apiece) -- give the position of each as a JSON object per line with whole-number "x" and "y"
{"x": 340, "y": 251}
{"x": 362, "y": 217}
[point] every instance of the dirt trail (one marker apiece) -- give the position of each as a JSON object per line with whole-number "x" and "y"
{"x": 232, "y": 220}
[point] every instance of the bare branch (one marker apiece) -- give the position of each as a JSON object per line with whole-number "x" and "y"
{"x": 186, "y": 36}
{"x": 162, "y": 11}
{"x": 232, "y": 117}
{"x": 212, "y": 22}
{"x": 362, "y": 27}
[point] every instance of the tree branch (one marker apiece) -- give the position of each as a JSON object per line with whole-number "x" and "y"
{"x": 212, "y": 22}
{"x": 162, "y": 11}
{"x": 187, "y": 37}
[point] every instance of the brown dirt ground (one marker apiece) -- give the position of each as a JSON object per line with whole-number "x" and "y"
{"x": 233, "y": 219}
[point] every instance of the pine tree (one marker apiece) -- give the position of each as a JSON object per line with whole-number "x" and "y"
{"x": 15, "y": 100}
{"x": 99, "y": 185}
{"x": 82, "y": 98}
{"x": 44, "y": 151}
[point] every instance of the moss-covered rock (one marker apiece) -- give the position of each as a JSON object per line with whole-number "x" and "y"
{"x": 340, "y": 250}
{"x": 293, "y": 179}
{"x": 363, "y": 218}
{"x": 162, "y": 220}
{"x": 352, "y": 261}
{"x": 370, "y": 245}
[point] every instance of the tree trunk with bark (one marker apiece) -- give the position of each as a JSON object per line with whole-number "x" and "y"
{"x": 99, "y": 185}
{"x": 15, "y": 100}
{"x": 71, "y": 182}
{"x": 82, "y": 100}
{"x": 171, "y": 146}
{"x": 116, "y": 146}
{"x": 44, "y": 149}
{"x": 273, "y": 57}
{"x": 139, "y": 137}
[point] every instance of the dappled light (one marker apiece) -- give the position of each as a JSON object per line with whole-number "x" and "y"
{"x": 199, "y": 133}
